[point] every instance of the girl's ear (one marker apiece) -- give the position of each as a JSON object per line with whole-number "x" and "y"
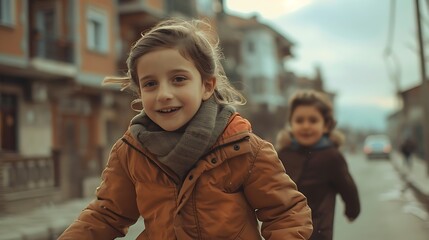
{"x": 137, "y": 105}
{"x": 209, "y": 86}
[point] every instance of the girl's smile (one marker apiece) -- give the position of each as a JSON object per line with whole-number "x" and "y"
{"x": 168, "y": 110}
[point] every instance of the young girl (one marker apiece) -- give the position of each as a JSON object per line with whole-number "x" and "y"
{"x": 308, "y": 147}
{"x": 189, "y": 164}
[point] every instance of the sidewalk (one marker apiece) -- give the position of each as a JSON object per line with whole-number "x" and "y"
{"x": 416, "y": 177}
{"x": 48, "y": 222}
{"x": 43, "y": 223}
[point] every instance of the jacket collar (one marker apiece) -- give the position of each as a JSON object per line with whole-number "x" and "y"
{"x": 324, "y": 142}
{"x": 236, "y": 129}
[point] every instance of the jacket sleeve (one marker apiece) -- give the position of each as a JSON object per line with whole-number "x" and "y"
{"x": 281, "y": 208}
{"x": 114, "y": 209}
{"x": 345, "y": 186}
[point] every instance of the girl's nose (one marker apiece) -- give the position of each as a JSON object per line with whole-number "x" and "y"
{"x": 165, "y": 92}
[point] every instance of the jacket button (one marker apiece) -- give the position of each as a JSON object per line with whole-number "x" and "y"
{"x": 191, "y": 177}
{"x": 236, "y": 147}
{"x": 214, "y": 160}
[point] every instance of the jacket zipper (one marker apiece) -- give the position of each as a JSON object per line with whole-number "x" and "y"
{"x": 197, "y": 222}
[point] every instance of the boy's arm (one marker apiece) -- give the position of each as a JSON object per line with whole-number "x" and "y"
{"x": 281, "y": 208}
{"x": 115, "y": 208}
{"x": 346, "y": 187}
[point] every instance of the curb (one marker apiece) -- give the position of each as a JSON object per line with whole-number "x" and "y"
{"x": 422, "y": 195}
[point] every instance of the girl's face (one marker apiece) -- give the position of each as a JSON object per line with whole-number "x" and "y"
{"x": 171, "y": 88}
{"x": 308, "y": 125}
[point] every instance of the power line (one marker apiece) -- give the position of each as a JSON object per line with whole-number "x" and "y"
{"x": 392, "y": 63}
{"x": 427, "y": 4}
{"x": 391, "y": 31}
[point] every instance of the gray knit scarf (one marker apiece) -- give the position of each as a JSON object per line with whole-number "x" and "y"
{"x": 181, "y": 149}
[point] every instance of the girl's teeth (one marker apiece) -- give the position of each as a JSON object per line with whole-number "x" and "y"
{"x": 168, "y": 110}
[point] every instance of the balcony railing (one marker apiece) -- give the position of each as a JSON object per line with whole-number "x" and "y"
{"x": 21, "y": 174}
{"x": 52, "y": 49}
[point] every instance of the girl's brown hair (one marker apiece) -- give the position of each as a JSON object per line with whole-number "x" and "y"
{"x": 195, "y": 42}
{"x": 316, "y": 99}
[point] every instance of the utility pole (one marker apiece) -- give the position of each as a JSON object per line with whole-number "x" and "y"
{"x": 424, "y": 88}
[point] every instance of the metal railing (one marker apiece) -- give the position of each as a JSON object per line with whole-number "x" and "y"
{"x": 52, "y": 49}
{"x": 28, "y": 173}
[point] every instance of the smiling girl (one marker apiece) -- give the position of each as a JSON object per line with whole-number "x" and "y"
{"x": 189, "y": 164}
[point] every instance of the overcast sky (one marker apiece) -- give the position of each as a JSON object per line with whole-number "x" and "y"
{"x": 347, "y": 38}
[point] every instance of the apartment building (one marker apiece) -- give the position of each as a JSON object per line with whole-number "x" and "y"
{"x": 56, "y": 119}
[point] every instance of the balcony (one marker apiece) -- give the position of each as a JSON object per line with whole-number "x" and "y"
{"x": 52, "y": 49}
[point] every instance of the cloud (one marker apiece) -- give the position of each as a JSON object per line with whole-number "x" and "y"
{"x": 274, "y": 9}
{"x": 387, "y": 103}
{"x": 353, "y": 20}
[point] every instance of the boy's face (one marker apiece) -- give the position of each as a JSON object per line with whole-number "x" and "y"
{"x": 307, "y": 125}
{"x": 171, "y": 88}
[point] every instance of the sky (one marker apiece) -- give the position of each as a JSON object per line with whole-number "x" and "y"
{"x": 348, "y": 40}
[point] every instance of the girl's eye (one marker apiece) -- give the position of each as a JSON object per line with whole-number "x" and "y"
{"x": 179, "y": 79}
{"x": 148, "y": 84}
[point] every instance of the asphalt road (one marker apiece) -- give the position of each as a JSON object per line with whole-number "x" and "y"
{"x": 389, "y": 209}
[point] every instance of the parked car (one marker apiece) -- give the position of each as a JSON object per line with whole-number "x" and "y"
{"x": 377, "y": 146}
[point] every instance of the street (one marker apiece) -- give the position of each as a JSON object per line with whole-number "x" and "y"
{"x": 386, "y": 211}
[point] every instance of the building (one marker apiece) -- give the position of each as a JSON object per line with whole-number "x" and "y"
{"x": 56, "y": 119}
{"x": 409, "y": 120}
{"x": 254, "y": 62}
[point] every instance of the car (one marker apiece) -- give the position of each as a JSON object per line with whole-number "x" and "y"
{"x": 377, "y": 146}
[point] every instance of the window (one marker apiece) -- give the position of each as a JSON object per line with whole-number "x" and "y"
{"x": 251, "y": 46}
{"x": 258, "y": 86}
{"x": 185, "y": 7}
{"x": 46, "y": 33}
{"x": 97, "y": 36}
{"x": 206, "y": 7}
{"x": 8, "y": 122}
{"x": 7, "y": 12}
